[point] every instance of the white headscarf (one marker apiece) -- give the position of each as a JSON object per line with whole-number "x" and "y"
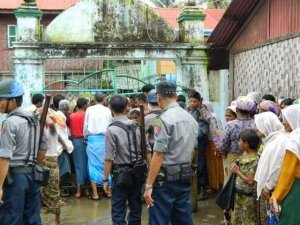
{"x": 292, "y": 115}
{"x": 271, "y": 160}
{"x": 255, "y": 96}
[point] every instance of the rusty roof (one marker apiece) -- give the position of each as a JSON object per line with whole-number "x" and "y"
{"x": 46, "y": 5}
{"x": 232, "y": 21}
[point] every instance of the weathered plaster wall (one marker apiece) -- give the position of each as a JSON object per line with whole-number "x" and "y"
{"x": 109, "y": 21}
{"x": 273, "y": 69}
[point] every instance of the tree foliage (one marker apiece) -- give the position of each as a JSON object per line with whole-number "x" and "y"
{"x": 217, "y": 4}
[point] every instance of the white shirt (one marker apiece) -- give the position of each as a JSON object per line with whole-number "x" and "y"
{"x": 64, "y": 134}
{"x": 97, "y": 119}
{"x": 53, "y": 144}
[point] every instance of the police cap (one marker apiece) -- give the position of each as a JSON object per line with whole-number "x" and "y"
{"x": 166, "y": 87}
{"x": 10, "y": 89}
{"x": 152, "y": 96}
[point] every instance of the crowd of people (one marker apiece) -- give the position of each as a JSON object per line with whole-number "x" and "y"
{"x": 101, "y": 143}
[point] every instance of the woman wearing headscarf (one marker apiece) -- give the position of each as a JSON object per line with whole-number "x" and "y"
{"x": 229, "y": 144}
{"x": 287, "y": 190}
{"x": 269, "y": 106}
{"x": 274, "y": 137}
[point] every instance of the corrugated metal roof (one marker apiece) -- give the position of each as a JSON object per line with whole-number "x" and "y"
{"x": 42, "y": 4}
{"x": 213, "y": 16}
{"x": 232, "y": 20}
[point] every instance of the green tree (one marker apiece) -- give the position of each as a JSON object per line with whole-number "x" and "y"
{"x": 218, "y": 4}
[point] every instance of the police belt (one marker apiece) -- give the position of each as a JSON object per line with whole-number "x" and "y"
{"x": 21, "y": 170}
{"x": 177, "y": 172}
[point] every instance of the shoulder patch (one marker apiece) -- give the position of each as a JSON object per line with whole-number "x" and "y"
{"x": 157, "y": 127}
{"x": 4, "y": 127}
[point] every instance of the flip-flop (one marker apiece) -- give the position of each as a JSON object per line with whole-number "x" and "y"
{"x": 92, "y": 198}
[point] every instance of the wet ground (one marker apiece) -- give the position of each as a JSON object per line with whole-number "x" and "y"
{"x": 82, "y": 211}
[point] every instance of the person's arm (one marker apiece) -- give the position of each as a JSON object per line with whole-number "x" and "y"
{"x": 249, "y": 178}
{"x": 7, "y": 146}
{"x": 107, "y": 170}
{"x": 110, "y": 150}
{"x": 4, "y": 165}
{"x": 225, "y": 138}
{"x": 155, "y": 165}
{"x": 286, "y": 178}
{"x": 85, "y": 124}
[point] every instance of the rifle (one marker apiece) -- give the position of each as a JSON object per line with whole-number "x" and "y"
{"x": 44, "y": 116}
{"x": 143, "y": 132}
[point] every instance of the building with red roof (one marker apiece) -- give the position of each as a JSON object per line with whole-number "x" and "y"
{"x": 53, "y": 8}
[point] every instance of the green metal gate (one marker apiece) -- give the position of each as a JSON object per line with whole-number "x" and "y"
{"x": 106, "y": 81}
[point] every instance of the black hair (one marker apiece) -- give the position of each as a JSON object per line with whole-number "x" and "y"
{"x": 251, "y": 138}
{"x": 57, "y": 99}
{"x": 19, "y": 100}
{"x": 132, "y": 97}
{"x": 181, "y": 98}
{"x": 287, "y": 101}
{"x": 36, "y": 98}
{"x": 269, "y": 97}
{"x": 195, "y": 94}
{"x": 118, "y": 103}
{"x": 167, "y": 95}
{"x": 181, "y": 104}
{"x": 148, "y": 87}
{"x": 142, "y": 97}
{"x": 81, "y": 102}
{"x": 99, "y": 97}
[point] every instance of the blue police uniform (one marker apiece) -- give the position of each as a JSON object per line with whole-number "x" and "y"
{"x": 175, "y": 136}
{"x": 21, "y": 194}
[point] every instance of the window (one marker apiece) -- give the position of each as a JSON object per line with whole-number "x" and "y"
{"x": 12, "y": 35}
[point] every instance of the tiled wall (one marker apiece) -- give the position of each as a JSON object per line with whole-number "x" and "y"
{"x": 273, "y": 69}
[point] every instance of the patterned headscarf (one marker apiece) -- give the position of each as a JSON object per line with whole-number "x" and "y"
{"x": 246, "y": 104}
{"x": 269, "y": 106}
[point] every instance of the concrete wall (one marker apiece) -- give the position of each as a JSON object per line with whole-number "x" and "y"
{"x": 273, "y": 68}
{"x": 219, "y": 92}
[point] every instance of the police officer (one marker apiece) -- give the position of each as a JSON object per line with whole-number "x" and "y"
{"x": 122, "y": 152}
{"x": 18, "y": 190}
{"x": 167, "y": 189}
{"x": 151, "y": 118}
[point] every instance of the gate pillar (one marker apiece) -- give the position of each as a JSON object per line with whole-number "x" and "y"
{"x": 28, "y": 57}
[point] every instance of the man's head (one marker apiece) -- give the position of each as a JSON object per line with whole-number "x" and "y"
{"x": 140, "y": 99}
{"x": 56, "y": 100}
{"x": 99, "y": 97}
{"x": 37, "y": 100}
{"x": 82, "y": 103}
{"x": 118, "y": 104}
{"x": 147, "y": 88}
{"x": 11, "y": 95}
{"x": 166, "y": 93}
{"x": 269, "y": 97}
{"x": 195, "y": 99}
{"x": 64, "y": 106}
